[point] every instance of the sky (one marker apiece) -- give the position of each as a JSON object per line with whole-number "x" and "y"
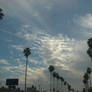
{"x": 56, "y": 31}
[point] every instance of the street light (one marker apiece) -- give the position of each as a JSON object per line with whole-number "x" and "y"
{"x": 27, "y": 52}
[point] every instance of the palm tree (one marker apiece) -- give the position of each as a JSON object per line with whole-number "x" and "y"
{"x": 1, "y": 14}
{"x": 61, "y": 80}
{"x": 65, "y": 83}
{"x": 57, "y": 77}
{"x": 89, "y": 72}
{"x": 26, "y": 54}
{"x": 54, "y": 76}
{"x": 69, "y": 87}
{"x": 86, "y": 76}
{"x": 85, "y": 81}
{"x": 51, "y": 69}
{"x": 89, "y": 51}
{"x": 89, "y": 42}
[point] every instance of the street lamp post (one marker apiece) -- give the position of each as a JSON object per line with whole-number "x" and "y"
{"x": 26, "y": 54}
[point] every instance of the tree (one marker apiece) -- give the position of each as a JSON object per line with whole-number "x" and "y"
{"x": 65, "y": 83}
{"x": 86, "y": 76}
{"x": 85, "y": 81}
{"x": 89, "y": 42}
{"x": 51, "y": 69}
{"x": 26, "y": 54}
{"x": 89, "y": 51}
{"x": 1, "y": 14}
{"x": 69, "y": 87}
{"x": 57, "y": 77}
{"x": 54, "y": 76}
{"x": 61, "y": 80}
{"x": 89, "y": 72}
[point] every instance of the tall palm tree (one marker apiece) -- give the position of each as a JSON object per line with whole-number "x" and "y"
{"x": 85, "y": 81}
{"x": 61, "y": 80}
{"x": 65, "y": 83}
{"x": 57, "y": 77}
{"x": 54, "y": 76}
{"x": 1, "y": 14}
{"x": 26, "y": 54}
{"x": 51, "y": 69}
{"x": 89, "y": 72}
{"x": 69, "y": 87}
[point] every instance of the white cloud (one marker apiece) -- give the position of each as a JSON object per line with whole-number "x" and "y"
{"x": 17, "y": 47}
{"x": 3, "y": 61}
{"x": 85, "y": 21}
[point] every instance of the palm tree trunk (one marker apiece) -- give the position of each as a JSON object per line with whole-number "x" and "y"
{"x": 53, "y": 84}
{"x": 57, "y": 85}
{"x": 50, "y": 82}
{"x": 86, "y": 87}
{"x": 26, "y": 74}
{"x": 65, "y": 88}
{"x": 90, "y": 81}
{"x": 61, "y": 86}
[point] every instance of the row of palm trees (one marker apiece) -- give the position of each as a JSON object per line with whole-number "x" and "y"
{"x": 60, "y": 81}
{"x": 87, "y": 79}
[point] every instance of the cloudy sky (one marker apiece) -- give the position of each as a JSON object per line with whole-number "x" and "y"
{"x": 56, "y": 31}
